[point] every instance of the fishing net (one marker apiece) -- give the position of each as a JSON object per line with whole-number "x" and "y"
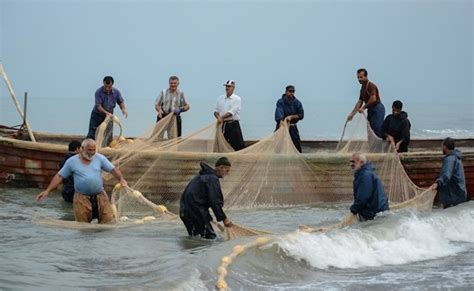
{"x": 268, "y": 173}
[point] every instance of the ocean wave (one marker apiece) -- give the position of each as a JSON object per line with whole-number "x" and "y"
{"x": 442, "y": 133}
{"x": 391, "y": 240}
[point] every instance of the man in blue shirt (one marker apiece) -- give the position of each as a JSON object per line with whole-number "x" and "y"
{"x": 90, "y": 200}
{"x": 68, "y": 183}
{"x": 290, "y": 110}
{"x": 369, "y": 194}
{"x": 106, "y": 98}
{"x": 451, "y": 183}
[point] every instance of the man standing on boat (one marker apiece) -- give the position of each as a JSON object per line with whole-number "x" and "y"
{"x": 369, "y": 99}
{"x": 290, "y": 110}
{"x": 396, "y": 128}
{"x": 369, "y": 193}
{"x": 171, "y": 100}
{"x": 227, "y": 113}
{"x": 106, "y": 98}
{"x": 90, "y": 200}
{"x": 204, "y": 192}
{"x": 68, "y": 183}
{"x": 451, "y": 183}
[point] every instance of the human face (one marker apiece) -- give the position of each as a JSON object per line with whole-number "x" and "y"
{"x": 355, "y": 163}
{"x": 362, "y": 78}
{"x": 89, "y": 151}
{"x": 229, "y": 89}
{"x": 396, "y": 111}
{"x": 290, "y": 93}
{"x": 174, "y": 85}
{"x": 222, "y": 171}
{"x": 108, "y": 87}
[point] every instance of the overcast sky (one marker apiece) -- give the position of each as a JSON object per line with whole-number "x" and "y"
{"x": 419, "y": 51}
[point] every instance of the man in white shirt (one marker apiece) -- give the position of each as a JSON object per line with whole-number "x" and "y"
{"x": 171, "y": 100}
{"x": 227, "y": 113}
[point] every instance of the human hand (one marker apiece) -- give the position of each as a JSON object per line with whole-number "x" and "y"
{"x": 227, "y": 222}
{"x": 123, "y": 182}
{"x": 434, "y": 186}
{"x": 177, "y": 111}
{"x": 361, "y": 110}
{"x": 41, "y": 196}
{"x": 125, "y": 113}
{"x": 349, "y": 117}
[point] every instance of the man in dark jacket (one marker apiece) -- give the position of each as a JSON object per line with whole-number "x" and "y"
{"x": 396, "y": 128}
{"x": 290, "y": 110}
{"x": 204, "y": 192}
{"x": 369, "y": 194}
{"x": 451, "y": 183}
{"x": 68, "y": 183}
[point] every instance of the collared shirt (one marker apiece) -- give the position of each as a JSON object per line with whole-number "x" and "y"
{"x": 286, "y": 107}
{"x": 171, "y": 100}
{"x": 107, "y": 100}
{"x": 231, "y": 104}
{"x": 87, "y": 178}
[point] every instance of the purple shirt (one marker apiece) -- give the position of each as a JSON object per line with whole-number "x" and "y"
{"x": 107, "y": 100}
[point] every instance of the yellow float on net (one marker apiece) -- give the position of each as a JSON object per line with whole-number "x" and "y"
{"x": 117, "y": 187}
{"x": 122, "y": 138}
{"x": 162, "y": 208}
{"x": 113, "y": 144}
{"x": 136, "y": 194}
{"x": 148, "y": 218}
{"x": 226, "y": 260}
{"x": 222, "y": 271}
{"x": 116, "y": 119}
{"x": 123, "y": 218}
{"x": 262, "y": 241}
{"x": 238, "y": 249}
{"x": 221, "y": 284}
{"x": 130, "y": 140}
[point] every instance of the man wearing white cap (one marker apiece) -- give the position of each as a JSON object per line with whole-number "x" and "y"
{"x": 227, "y": 113}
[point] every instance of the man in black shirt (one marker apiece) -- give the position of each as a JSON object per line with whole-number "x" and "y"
{"x": 396, "y": 128}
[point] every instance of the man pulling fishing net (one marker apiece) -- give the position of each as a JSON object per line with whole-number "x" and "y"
{"x": 204, "y": 192}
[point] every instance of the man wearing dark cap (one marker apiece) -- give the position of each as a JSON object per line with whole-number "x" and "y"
{"x": 369, "y": 99}
{"x": 396, "y": 128}
{"x": 290, "y": 110}
{"x": 106, "y": 98}
{"x": 227, "y": 113}
{"x": 204, "y": 192}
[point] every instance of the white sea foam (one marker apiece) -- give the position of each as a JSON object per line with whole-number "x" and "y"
{"x": 396, "y": 239}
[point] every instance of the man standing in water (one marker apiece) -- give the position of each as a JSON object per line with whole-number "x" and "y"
{"x": 106, "y": 97}
{"x": 290, "y": 110}
{"x": 90, "y": 199}
{"x": 369, "y": 194}
{"x": 204, "y": 192}
{"x": 68, "y": 183}
{"x": 171, "y": 100}
{"x": 451, "y": 183}
{"x": 227, "y": 113}
{"x": 369, "y": 99}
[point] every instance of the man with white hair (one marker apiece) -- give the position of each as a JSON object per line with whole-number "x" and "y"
{"x": 369, "y": 193}
{"x": 90, "y": 200}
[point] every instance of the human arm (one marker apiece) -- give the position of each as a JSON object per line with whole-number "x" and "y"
{"x": 57, "y": 179}
{"x": 363, "y": 189}
{"x": 123, "y": 109}
{"x": 216, "y": 199}
{"x": 159, "y": 104}
{"x": 118, "y": 175}
{"x": 372, "y": 90}
{"x": 446, "y": 171}
{"x": 355, "y": 110}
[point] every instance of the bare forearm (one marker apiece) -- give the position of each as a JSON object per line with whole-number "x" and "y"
{"x": 102, "y": 110}
{"x": 57, "y": 179}
{"x": 357, "y": 107}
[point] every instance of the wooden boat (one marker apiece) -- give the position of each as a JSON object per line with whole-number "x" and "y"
{"x": 33, "y": 164}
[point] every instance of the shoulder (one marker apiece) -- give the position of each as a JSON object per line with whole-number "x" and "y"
{"x": 101, "y": 157}
{"x": 236, "y": 97}
{"x": 99, "y": 90}
{"x": 116, "y": 91}
{"x": 371, "y": 85}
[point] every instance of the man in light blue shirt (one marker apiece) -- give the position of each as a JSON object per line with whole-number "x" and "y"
{"x": 90, "y": 200}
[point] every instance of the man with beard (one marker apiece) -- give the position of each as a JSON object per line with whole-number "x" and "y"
{"x": 90, "y": 200}
{"x": 290, "y": 110}
{"x": 204, "y": 192}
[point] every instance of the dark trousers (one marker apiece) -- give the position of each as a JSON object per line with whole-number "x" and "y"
{"x": 233, "y": 134}
{"x": 178, "y": 122}
{"x": 94, "y": 122}
{"x": 376, "y": 115}
{"x": 295, "y": 137}
{"x": 204, "y": 229}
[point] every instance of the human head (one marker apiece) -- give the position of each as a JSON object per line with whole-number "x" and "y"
{"x": 290, "y": 91}
{"x": 362, "y": 75}
{"x": 229, "y": 87}
{"x": 448, "y": 145}
{"x": 174, "y": 83}
{"x": 74, "y": 146}
{"x": 88, "y": 149}
{"x": 357, "y": 161}
{"x": 397, "y": 107}
{"x": 108, "y": 83}
{"x": 222, "y": 167}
